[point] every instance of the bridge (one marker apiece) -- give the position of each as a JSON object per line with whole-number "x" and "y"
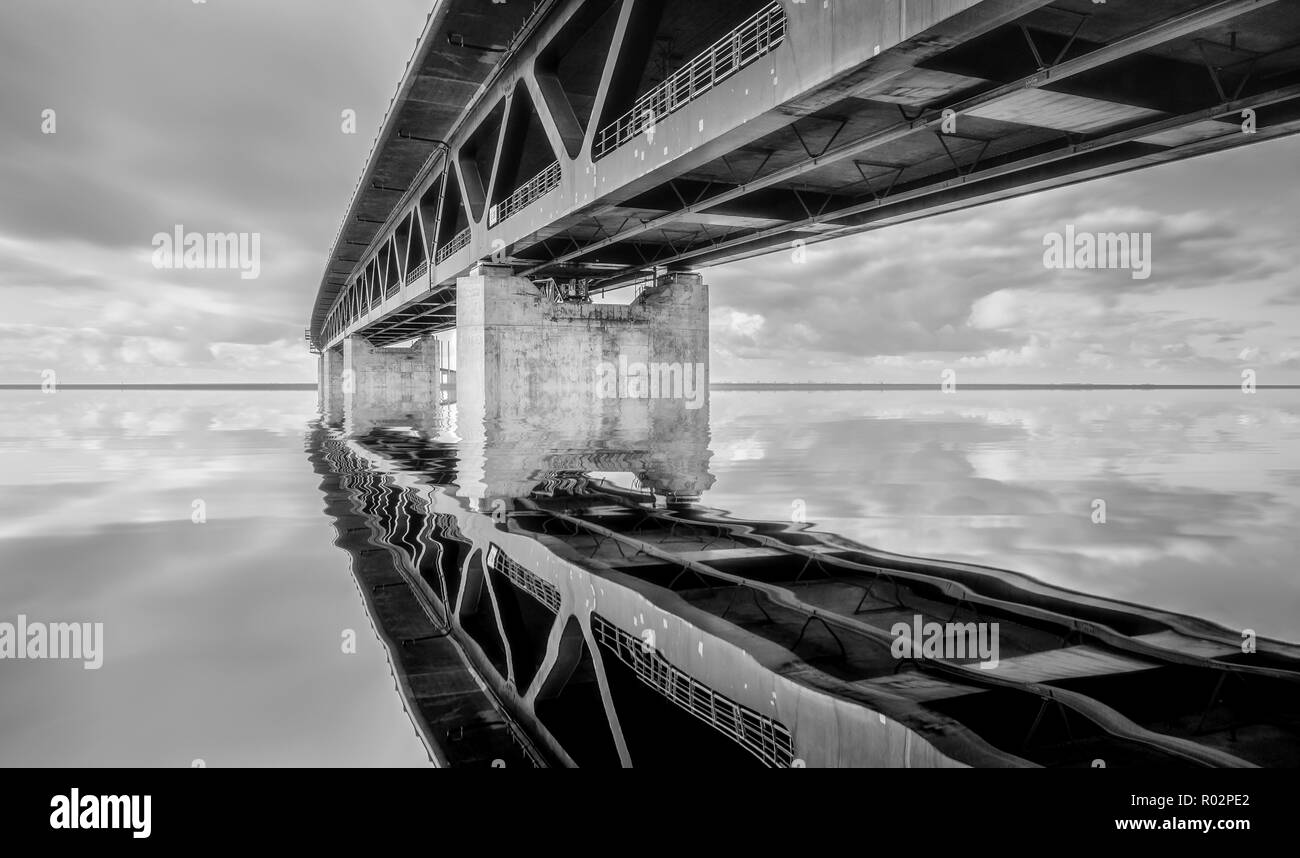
{"x": 534, "y": 156}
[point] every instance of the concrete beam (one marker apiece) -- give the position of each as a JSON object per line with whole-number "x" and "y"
{"x": 1173, "y": 28}
{"x": 1065, "y": 165}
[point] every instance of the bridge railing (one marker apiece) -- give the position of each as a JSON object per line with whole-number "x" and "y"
{"x": 459, "y": 241}
{"x": 760, "y": 33}
{"x": 417, "y": 272}
{"x": 763, "y": 737}
{"x": 530, "y": 192}
{"x": 525, "y": 579}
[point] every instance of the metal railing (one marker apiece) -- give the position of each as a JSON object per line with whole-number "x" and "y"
{"x": 762, "y": 32}
{"x": 525, "y": 579}
{"x": 459, "y": 241}
{"x": 417, "y": 272}
{"x": 526, "y": 194}
{"x": 763, "y": 737}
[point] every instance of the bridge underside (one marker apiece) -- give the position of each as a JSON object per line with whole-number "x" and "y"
{"x": 983, "y": 101}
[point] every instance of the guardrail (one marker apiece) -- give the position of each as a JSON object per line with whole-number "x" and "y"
{"x": 760, "y": 33}
{"x": 763, "y": 737}
{"x": 525, "y": 579}
{"x": 418, "y": 272}
{"x": 459, "y": 241}
{"x": 526, "y": 194}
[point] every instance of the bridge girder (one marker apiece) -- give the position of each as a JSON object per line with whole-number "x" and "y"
{"x": 826, "y": 158}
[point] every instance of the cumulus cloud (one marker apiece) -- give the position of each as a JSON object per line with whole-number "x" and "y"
{"x": 220, "y": 117}
{"x": 970, "y": 290}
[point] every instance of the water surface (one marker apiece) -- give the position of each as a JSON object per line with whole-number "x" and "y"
{"x": 1201, "y": 488}
{"x": 223, "y": 638}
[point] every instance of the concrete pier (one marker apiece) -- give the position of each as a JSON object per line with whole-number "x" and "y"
{"x": 363, "y": 386}
{"x": 330, "y": 381}
{"x": 515, "y": 344}
{"x": 542, "y": 387}
{"x": 545, "y": 386}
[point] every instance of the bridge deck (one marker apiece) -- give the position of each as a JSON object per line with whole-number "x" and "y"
{"x": 612, "y": 138}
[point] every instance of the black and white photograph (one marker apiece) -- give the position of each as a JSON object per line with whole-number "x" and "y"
{"x": 692, "y": 386}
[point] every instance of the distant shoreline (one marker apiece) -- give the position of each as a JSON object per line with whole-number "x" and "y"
{"x": 752, "y": 386}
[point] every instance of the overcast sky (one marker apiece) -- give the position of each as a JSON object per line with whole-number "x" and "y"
{"x": 224, "y": 116}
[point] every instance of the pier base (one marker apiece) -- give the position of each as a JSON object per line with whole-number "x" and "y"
{"x": 330, "y": 383}
{"x": 388, "y": 386}
{"x": 546, "y": 387}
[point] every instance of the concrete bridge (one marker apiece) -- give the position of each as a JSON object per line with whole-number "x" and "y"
{"x": 534, "y": 155}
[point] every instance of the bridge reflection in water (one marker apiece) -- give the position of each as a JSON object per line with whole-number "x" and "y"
{"x": 552, "y": 592}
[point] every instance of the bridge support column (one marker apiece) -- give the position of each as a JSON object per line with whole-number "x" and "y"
{"x": 388, "y": 386}
{"x": 330, "y": 384}
{"x": 539, "y": 381}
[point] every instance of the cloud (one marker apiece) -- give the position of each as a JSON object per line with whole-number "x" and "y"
{"x": 220, "y": 117}
{"x": 970, "y": 290}
{"x": 217, "y": 116}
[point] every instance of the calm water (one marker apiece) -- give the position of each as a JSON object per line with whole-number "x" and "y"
{"x": 1202, "y": 488}
{"x": 222, "y": 639}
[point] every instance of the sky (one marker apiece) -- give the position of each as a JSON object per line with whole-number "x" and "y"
{"x": 225, "y": 116}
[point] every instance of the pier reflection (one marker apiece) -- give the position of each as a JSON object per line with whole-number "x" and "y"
{"x": 554, "y": 591}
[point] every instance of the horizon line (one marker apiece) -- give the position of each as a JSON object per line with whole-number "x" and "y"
{"x": 717, "y": 385}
